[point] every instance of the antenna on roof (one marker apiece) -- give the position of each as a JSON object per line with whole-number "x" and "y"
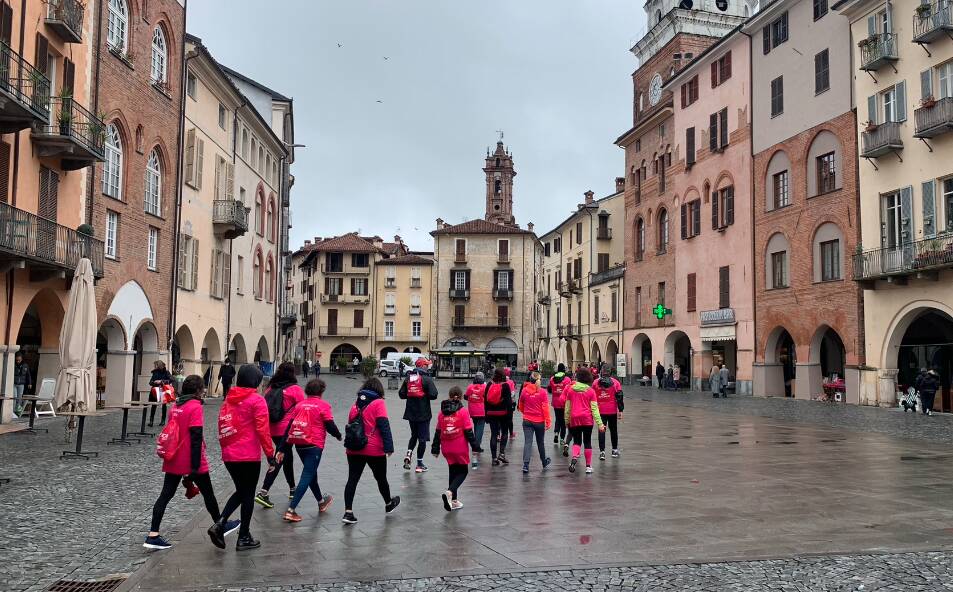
{"x": 501, "y": 134}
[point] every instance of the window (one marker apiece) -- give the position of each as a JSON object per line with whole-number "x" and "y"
{"x": 662, "y": 231}
{"x": 830, "y": 260}
{"x": 639, "y": 239}
{"x": 691, "y": 293}
{"x": 416, "y": 329}
{"x": 259, "y": 214}
{"x": 718, "y": 130}
{"x": 557, "y": 244}
{"x": 721, "y": 70}
{"x": 256, "y": 276}
{"x": 358, "y": 319}
{"x": 615, "y": 307}
{"x": 603, "y": 262}
{"x": 945, "y": 74}
{"x": 690, "y": 146}
{"x": 779, "y": 264}
{"x": 661, "y": 131}
{"x": 112, "y": 234}
{"x": 546, "y": 251}
{"x": 503, "y": 250}
{"x": 689, "y": 92}
{"x": 333, "y": 286}
{"x": 112, "y": 167}
{"x": 777, "y": 96}
{"x": 191, "y": 85}
{"x": 820, "y": 8}
{"x": 116, "y": 25}
{"x": 661, "y": 293}
{"x": 360, "y": 260}
{"x": 724, "y": 287}
{"x": 459, "y": 314}
{"x": 254, "y": 153}
{"x": 638, "y": 145}
{"x": 153, "y": 185}
{"x": 459, "y": 280}
{"x": 947, "y": 201}
{"x": 503, "y": 315}
{"x": 822, "y": 69}
{"x": 826, "y": 173}
{"x": 269, "y": 280}
{"x": 241, "y": 276}
{"x": 389, "y": 329}
{"x": 222, "y": 116}
{"x": 503, "y": 280}
{"x": 893, "y": 233}
{"x": 782, "y": 192}
{"x": 775, "y": 34}
{"x": 270, "y": 222}
{"x": 260, "y": 161}
{"x": 390, "y": 303}
{"x": 894, "y": 101}
{"x": 158, "y": 56}
{"x": 359, "y": 286}
{"x": 461, "y": 249}
{"x": 723, "y": 208}
{"x": 595, "y": 309}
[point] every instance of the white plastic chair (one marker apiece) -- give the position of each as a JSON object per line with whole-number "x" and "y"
{"x": 45, "y": 398}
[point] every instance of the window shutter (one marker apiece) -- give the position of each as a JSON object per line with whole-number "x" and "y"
{"x": 727, "y": 62}
{"x": 226, "y": 274}
{"x": 713, "y": 132}
{"x": 684, "y": 210}
{"x": 684, "y": 95}
{"x": 496, "y": 280}
{"x": 872, "y": 108}
{"x": 69, "y": 74}
{"x": 4, "y": 172}
{"x": 723, "y": 124}
{"x": 714, "y": 74}
{"x": 467, "y": 278}
{"x": 219, "y": 181}
{"x": 723, "y": 287}
{"x": 901, "y": 91}
{"x": 42, "y": 54}
{"x": 199, "y": 161}
{"x": 697, "y": 217}
{"x": 714, "y": 210}
{"x": 6, "y": 22}
{"x": 691, "y": 293}
{"x": 510, "y": 274}
{"x": 906, "y": 214}
{"x": 818, "y": 68}
{"x": 195, "y": 264}
{"x": 229, "y": 181}
{"x": 926, "y": 83}
{"x": 690, "y": 146}
{"x": 180, "y": 263}
{"x": 190, "y": 156}
{"x": 766, "y": 39}
{"x": 871, "y": 25}
{"x": 929, "y": 209}
{"x": 729, "y": 206}
{"x": 214, "y": 278}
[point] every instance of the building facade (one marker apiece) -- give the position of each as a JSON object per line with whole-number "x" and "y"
{"x": 806, "y": 222}
{"x": 579, "y": 287}
{"x": 903, "y": 80}
{"x": 402, "y": 315}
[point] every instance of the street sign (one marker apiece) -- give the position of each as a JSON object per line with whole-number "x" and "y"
{"x": 660, "y": 311}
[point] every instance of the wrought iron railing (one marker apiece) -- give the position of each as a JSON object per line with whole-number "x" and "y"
{"x": 289, "y": 312}
{"x": 459, "y": 294}
{"x": 607, "y": 275}
{"x": 24, "y": 234}
{"x": 931, "y": 19}
{"x": 230, "y": 211}
{"x": 325, "y": 331}
{"x": 72, "y": 120}
{"x": 936, "y": 119}
{"x": 884, "y": 136}
{"x": 878, "y": 49}
{"x": 543, "y": 297}
{"x": 923, "y": 255}
{"x": 22, "y": 81}
{"x": 481, "y": 322}
{"x": 603, "y": 233}
{"x": 502, "y": 294}
{"x": 68, "y": 14}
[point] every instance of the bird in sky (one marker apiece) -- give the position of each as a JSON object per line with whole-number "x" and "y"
{"x": 386, "y": 58}
{"x": 380, "y": 101}
{"x": 339, "y": 45}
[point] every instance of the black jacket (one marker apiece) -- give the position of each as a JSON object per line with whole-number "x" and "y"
{"x": 418, "y": 408}
{"x": 929, "y": 384}
{"x": 226, "y": 373}
{"x": 506, "y": 400}
{"x": 659, "y": 371}
{"x": 365, "y": 398}
{"x": 160, "y": 376}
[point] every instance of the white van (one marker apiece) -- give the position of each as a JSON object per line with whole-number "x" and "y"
{"x": 400, "y": 356}
{"x": 388, "y": 368}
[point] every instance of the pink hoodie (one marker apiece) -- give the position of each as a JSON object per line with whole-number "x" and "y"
{"x": 606, "y": 397}
{"x": 307, "y": 422}
{"x": 243, "y": 426}
{"x": 476, "y": 397}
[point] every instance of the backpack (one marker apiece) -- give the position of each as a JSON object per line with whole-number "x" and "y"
{"x": 355, "y": 438}
{"x": 167, "y": 443}
{"x": 415, "y": 386}
{"x": 494, "y": 394}
{"x": 275, "y": 398}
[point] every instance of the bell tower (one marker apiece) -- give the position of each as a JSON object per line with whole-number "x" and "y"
{"x": 499, "y": 185}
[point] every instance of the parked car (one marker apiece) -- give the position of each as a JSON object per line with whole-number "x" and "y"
{"x": 388, "y": 368}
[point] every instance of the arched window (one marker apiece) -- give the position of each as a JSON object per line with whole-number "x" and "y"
{"x": 153, "y": 184}
{"x": 245, "y": 143}
{"x": 257, "y": 269}
{"x": 828, "y": 251}
{"x": 112, "y": 167}
{"x": 117, "y": 24}
{"x": 261, "y": 159}
{"x": 270, "y": 222}
{"x": 267, "y": 171}
{"x": 776, "y": 262}
{"x": 269, "y": 280}
{"x": 259, "y": 213}
{"x": 662, "y": 230}
{"x": 639, "y": 239}
{"x": 777, "y": 182}
{"x": 159, "y": 55}
{"x": 824, "y": 165}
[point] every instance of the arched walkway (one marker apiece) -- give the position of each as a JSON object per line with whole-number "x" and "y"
{"x": 596, "y": 353}
{"x": 38, "y": 335}
{"x": 343, "y": 356}
{"x": 678, "y": 354}
{"x": 502, "y": 349}
{"x": 210, "y": 358}
{"x": 183, "y": 350}
{"x": 145, "y": 344}
{"x": 385, "y": 351}
{"x": 113, "y": 363}
{"x": 238, "y": 352}
{"x": 570, "y": 356}
{"x": 922, "y": 337}
{"x": 612, "y": 351}
{"x": 580, "y": 354}
{"x": 412, "y": 350}
{"x": 262, "y": 351}
{"x": 780, "y": 357}
{"x": 642, "y": 364}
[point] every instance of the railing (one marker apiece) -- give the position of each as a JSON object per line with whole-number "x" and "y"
{"x": 877, "y": 50}
{"x": 607, "y": 276}
{"x": 231, "y": 212}
{"x": 935, "y": 120}
{"x": 289, "y": 312}
{"x": 390, "y": 282}
{"x": 403, "y": 337}
{"x": 460, "y": 258}
{"x": 66, "y": 18}
{"x": 345, "y": 298}
{"x": 923, "y": 255}
{"x": 575, "y": 285}
{"x": 345, "y": 269}
{"x": 881, "y": 139}
{"x": 543, "y": 297}
{"x": 503, "y": 258}
{"x": 481, "y": 322}
{"x": 325, "y": 331}
{"x": 414, "y": 311}
{"x": 72, "y": 120}
{"x": 24, "y": 234}
{"x": 459, "y": 294}
{"x": 930, "y": 20}
{"x": 22, "y": 81}
{"x": 502, "y": 294}
{"x": 414, "y": 282}
{"x": 390, "y": 309}
{"x": 603, "y": 233}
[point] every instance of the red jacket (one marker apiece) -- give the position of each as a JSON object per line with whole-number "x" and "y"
{"x": 243, "y": 429}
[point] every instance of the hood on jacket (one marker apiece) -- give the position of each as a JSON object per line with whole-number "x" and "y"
{"x": 558, "y": 377}
{"x": 365, "y": 397}
{"x": 530, "y": 387}
{"x": 240, "y": 393}
{"x": 479, "y": 378}
{"x": 449, "y": 407}
{"x": 183, "y": 399}
{"x": 605, "y": 382}
{"x": 580, "y": 387}
{"x": 249, "y": 376}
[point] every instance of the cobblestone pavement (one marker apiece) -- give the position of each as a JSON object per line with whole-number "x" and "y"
{"x": 700, "y": 480}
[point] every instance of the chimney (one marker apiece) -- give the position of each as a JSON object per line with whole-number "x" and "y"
{"x": 378, "y": 242}
{"x": 439, "y": 223}
{"x": 317, "y": 239}
{"x": 589, "y": 196}
{"x": 619, "y": 184}
{"x": 530, "y": 226}
{"x": 307, "y": 243}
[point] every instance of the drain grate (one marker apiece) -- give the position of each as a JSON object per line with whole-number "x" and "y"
{"x": 97, "y": 586}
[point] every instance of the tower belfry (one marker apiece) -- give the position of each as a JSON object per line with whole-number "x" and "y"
{"x": 499, "y": 185}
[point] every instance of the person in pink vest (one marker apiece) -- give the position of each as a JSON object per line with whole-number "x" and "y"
{"x": 557, "y": 389}
{"x": 609, "y": 396}
{"x": 582, "y": 412}
{"x": 243, "y": 435}
{"x": 475, "y": 396}
{"x": 455, "y": 435}
{"x": 418, "y": 390}
{"x": 282, "y": 396}
{"x": 308, "y": 427}
{"x": 534, "y": 405}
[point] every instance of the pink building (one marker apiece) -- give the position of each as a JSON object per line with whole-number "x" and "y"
{"x": 710, "y": 216}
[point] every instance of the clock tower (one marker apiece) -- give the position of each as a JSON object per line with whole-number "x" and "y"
{"x": 499, "y": 185}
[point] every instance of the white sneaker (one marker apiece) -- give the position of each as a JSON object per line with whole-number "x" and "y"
{"x": 447, "y": 501}
{"x": 588, "y": 470}
{"x": 456, "y": 504}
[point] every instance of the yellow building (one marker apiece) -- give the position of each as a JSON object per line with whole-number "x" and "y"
{"x": 402, "y": 312}
{"x": 903, "y": 84}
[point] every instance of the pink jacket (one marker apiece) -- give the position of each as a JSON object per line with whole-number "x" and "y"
{"x": 243, "y": 426}
{"x": 534, "y": 405}
{"x": 307, "y": 422}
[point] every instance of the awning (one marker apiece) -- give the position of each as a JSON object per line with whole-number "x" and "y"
{"x": 723, "y": 333}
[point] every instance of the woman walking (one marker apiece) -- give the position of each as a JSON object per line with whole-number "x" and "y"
{"x": 714, "y": 381}
{"x": 476, "y": 397}
{"x": 187, "y": 462}
{"x": 309, "y": 426}
{"x": 455, "y": 434}
{"x": 582, "y": 410}
{"x": 499, "y": 398}
{"x": 160, "y": 377}
{"x": 534, "y": 405}
{"x": 609, "y": 396}
{"x": 282, "y": 396}
{"x": 243, "y": 433}
{"x": 557, "y": 388}
{"x": 369, "y": 443}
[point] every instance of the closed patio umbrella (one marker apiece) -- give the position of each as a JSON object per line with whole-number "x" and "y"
{"x": 74, "y": 383}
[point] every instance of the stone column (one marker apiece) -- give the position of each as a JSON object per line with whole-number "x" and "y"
{"x": 852, "y": 379}
{"x": 808, "y": 381}
{"x": 119, "y": 376}
{"x": 768, "y": 379}
{"x": 887, "y": 387}
{"x": 7, "y": 360}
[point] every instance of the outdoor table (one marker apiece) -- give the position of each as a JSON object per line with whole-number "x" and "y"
{"x": 124, "y": 435}
{"x": 145, "y": 408}
{"x": 32, "y": 430}
{"x": 79, "y": 452}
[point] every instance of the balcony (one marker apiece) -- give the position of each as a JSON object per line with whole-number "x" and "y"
{"x": 602, "y": 277}
{"x": 877, "y": 51}
{"x": 569, "y": 331}
{"x": 414, "y": 282}
{"x": 324, "y": 331}
{"x": 45, "y": 245}
{"x": 502, "y": 294}
{"x": 390, "y": 282}
{"x": 563, "y": 289}
{"x": 575, "y": 286}
{"x": 24, "y": 93}
{"x": 932, "y": 21}
{"x": 414, "y": 311}
{"x": 924, "y": 256}
{"x": 460, "y": 258}
{"x": 541, "y": 333}
{"x": 459, "y": 294}
{"x": 481, "y": 322}
{"x": 502, "y": 257}
{"x": 881, "y": 139}
{"x": 603, "y": 233}
{"x": 345, "y": 299}
{"x": 344, "y": 270}
{"x": 72, "y": 133}
{"x": 935, "y": 119}
{"x": 289, "y": 314}
{"x": 66, "y": 18}
{"x": 390, "y": 309}
{"x": 403, "y": 338}
{"x": 229, "y": 218}
{"x": 543, "y": 298}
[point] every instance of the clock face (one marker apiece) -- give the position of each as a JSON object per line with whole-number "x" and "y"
{"x": 655, "y": 89}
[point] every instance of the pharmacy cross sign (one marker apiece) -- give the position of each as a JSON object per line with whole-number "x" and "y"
{"x": 660, "y": 311}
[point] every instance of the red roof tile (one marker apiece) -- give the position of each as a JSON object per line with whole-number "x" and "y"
{"x": 347, "y": 243}
{"x": 479, "y": 226}
{"x": 407, "y": 260}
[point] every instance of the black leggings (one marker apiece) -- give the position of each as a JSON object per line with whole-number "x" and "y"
{"x": 169, "y": 486}
{"x": 420, "y": 444}
{"x": 582, "y": 436}
{"x": 612, "y": 426}
{"x": 287, "y": 466}
{"x": 355, "y": 468}
{"x": 245, "y": 477}
{"x": 560, "y": 425}
{"x": 497, "y": 429}
{"x": 458, "y": 474}
{"x": 152, "y": 415}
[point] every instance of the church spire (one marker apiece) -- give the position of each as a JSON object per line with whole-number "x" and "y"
{"x": 499, "y": 185}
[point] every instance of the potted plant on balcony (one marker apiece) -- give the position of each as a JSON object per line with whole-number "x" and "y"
{"x": 65, "y": 114}
{"x": 870, "y": 126}
{"x": 928, "y": 101}
{"x": 923, "y": 10}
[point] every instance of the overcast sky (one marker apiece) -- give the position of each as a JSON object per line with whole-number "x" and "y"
{"x": 553, "y": 74}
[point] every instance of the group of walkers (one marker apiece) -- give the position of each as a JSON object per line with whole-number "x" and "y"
{"x": 288, "y": 418}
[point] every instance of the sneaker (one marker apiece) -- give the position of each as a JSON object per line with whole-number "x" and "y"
{"x": 547, "y": 462}
{"x": 391, "y": 506}
{"x": 447, "y": 496}
{"x": 602, "y": 455}
{"x": 349, "y": 518}
{"x": 556, "y": 439}
{"x": 191, "y": 490}
{"x": 929, "y": 412}
{"x": 572, "y": 465}
{"x": 246, "y": 543}
{"x": 407, "y": 460}
{"x": 615, "y": 453}
{"x": 421, "y": 468}
{"x": 503, "y": 459}
{"x": 588, "y": 470}
{"x": 456, "y": 505}
{"x": 216, "y": 533}
{"x": 156, "y": 542}
{"x": 263, "y": 500}
{"x": 496, "y": 462}
{"x": 291, "y": 494}
{"x": 565, "y": 449}
{"x": 292, "y": 516}
{"x": 525, "y": 467}
{"x": 512, "y": 435}
{"x": 230, "y": 527}
{"x": 475, "y": 464}
{"x": 325, "y": 503}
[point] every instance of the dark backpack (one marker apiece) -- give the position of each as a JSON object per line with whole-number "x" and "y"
{"x": 355, "y": 438}
{"x": 275, "y": 398}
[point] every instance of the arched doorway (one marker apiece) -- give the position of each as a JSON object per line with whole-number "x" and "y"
{"x": 570, "y": 357}
{"x": 39, "y": 336}
{"x": 678, "y": 354}
{"x": 238, "y": 352}
{"x": 343, "y": 356}
{"x": 183, "y": 350}
{"x": 385, "y": 351}
{"x": 612, "y": 351}
{"x": 780, "y": 355}
{"x": 111, "y": 361}
{"x": 412, "y": 350}
{"x": 580, "y": 355}
{"x": 928, "y": 343}
{"x": 596, "y": 353}
{"x": 642, "y": 356}
{"x": 210, "y": 357}
{"x": 827, "y": 350}
{"x": 145, "y": 343}
{"x": 502, "y": 350}
{"x": 262, "y": 351}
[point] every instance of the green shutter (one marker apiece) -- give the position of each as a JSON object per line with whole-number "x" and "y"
{"x": 929, "y": 209}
